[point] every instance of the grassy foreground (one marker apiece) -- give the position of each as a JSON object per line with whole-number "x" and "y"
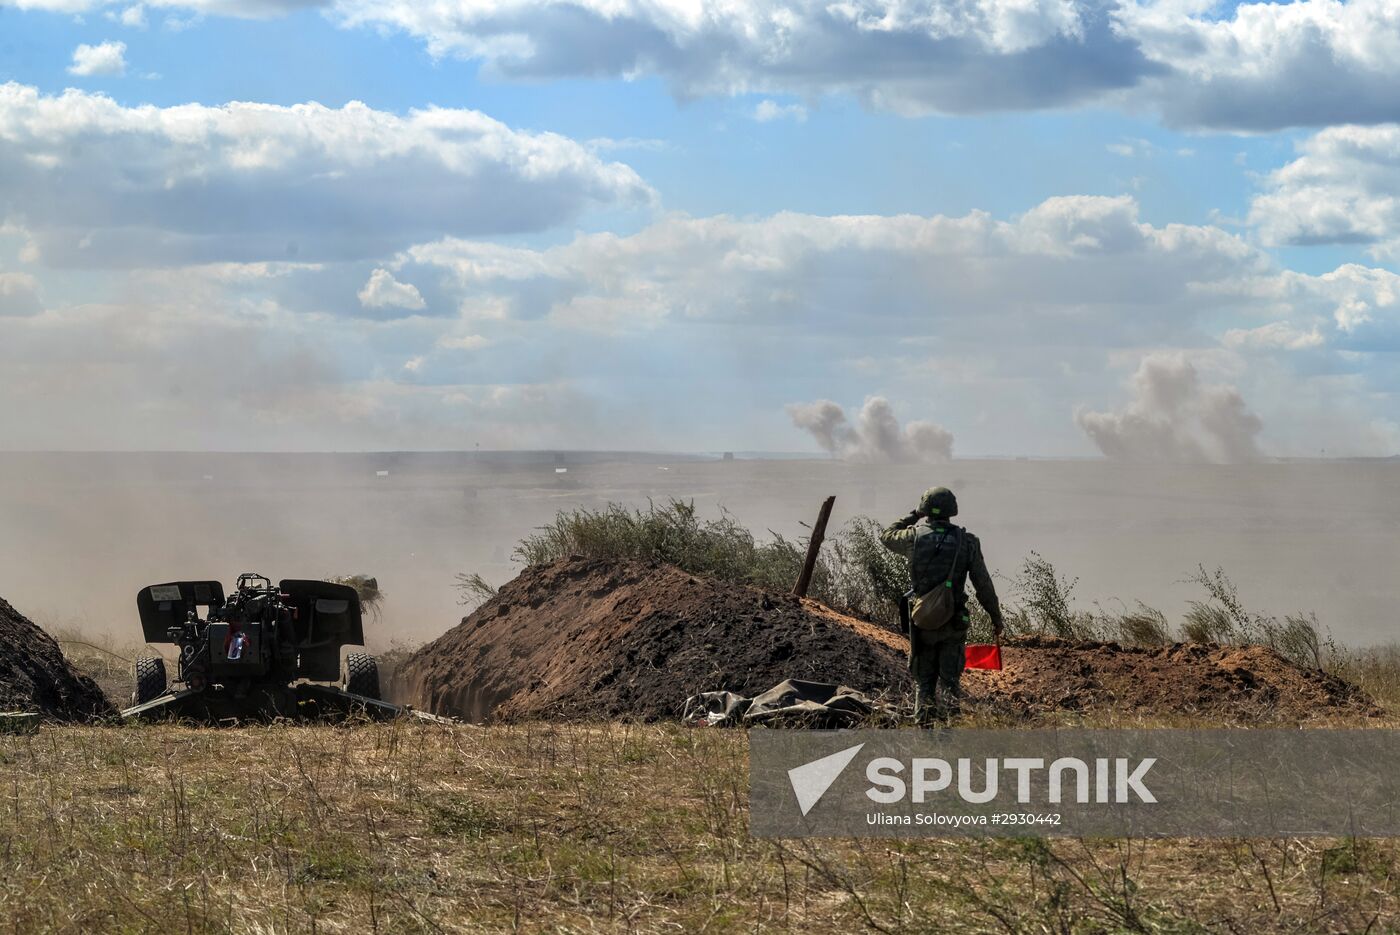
{"x": 421, "y": 828}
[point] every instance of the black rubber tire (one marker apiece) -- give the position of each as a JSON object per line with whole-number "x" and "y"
{"x": 362, "y": 675}
{"x": 151, "y": 682}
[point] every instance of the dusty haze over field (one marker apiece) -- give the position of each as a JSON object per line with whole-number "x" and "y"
{"x": 1157, "y": 239}
{"x": 81, "y": 533}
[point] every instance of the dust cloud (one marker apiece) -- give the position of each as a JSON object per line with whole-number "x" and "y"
{"x": 80, "y": 534}
{"x": 1174, "y": 417}
{"x": 876, "y": 436}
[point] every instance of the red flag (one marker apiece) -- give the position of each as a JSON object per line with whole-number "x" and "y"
{"x": 983, "y": 656}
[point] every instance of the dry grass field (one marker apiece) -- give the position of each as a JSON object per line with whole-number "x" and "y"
{"x": 410, "y": 827}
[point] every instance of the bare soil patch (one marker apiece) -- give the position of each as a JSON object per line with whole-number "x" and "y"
{"x": 1231, "y": 683}
{"x": 34, "y": 676}
{"x": 600, "y": 639}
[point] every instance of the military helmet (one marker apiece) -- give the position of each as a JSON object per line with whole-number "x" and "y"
{"x": 938, "y": 503}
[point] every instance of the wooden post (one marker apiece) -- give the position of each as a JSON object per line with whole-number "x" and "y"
{"x": 814, "y": 545}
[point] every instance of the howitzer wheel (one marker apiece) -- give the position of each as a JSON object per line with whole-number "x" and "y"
{"x": 362, "y": 675}
{"x": 151, "y": 682}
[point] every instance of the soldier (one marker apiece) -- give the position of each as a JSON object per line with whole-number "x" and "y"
{"x": 941, "y": 555}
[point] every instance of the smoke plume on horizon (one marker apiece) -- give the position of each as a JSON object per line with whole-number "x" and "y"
{"x": 1173, "y": 416}
{"x": 875, "y": 436}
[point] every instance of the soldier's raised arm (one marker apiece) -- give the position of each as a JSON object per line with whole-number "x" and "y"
{"x": 982, "y": 584}
{"x": 899, "y": 536}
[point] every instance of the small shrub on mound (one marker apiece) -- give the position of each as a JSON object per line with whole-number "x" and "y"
{"x": 674, "y": 533}
{"x": 855, "y": 572}
{"x": 1224, "y": 619}
{"x": 1145, "y": 626}
{"x": 1045, "y": 596}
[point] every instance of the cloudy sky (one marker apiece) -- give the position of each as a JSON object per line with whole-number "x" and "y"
{"x": 1160, "y": 229}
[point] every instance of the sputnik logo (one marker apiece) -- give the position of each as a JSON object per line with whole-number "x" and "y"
{"x": 811, "y": 780}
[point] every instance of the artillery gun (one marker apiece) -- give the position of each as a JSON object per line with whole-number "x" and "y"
{"x": 262, "y": 651}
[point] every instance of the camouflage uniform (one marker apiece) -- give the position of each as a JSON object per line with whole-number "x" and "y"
{"x": 936, "y": 658}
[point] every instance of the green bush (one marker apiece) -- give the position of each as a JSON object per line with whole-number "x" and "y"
{"x": 1300, "y": 639}
{"x": 473, "y": 590}
{"x": 864, "y": 575}
{"x": 1045, "y": 596}
{"x": 1223, "y": 619}
{"x": 673, "y": 533}
{"x": 1144, "y": 626}
{"x": 854, "y": 571}
{"x": 1207, "y": 623}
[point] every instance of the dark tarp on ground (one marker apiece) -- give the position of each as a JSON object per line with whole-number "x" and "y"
{"x": 815, "y": 704}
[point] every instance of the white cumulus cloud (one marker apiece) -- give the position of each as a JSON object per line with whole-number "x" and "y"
{"x": 1344, "y": 187}
{"x": 1252, "y": 66}
{"x": 768, "y": 110}
{"x": 1071, "y": 269}
{"x": 1026, "y": 310}
{"x": 97, "y": 183}
{"x": 106, "y": 59}
{"x": 1005, "y": 325}
{"x": 1276, "y": 335}
{"x": 1268, "y": 65}
{"x": 384, "y": 291}
{"x": 1262, "y": 66}
{"x": 940, "y": 55}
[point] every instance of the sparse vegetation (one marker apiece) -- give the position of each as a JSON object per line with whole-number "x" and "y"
{"x": 1045, "y": 596}
{"x": 1374, "y": 669}
{"x": 1144, "y": 626}
{"x": 852, "y": 573}
{"x": 864, "y": 576}
{"x": 111, "y": 672}
{"x": 367, "y": 588}
{"x": 1205, "y": 623}
{"x": 672, "y": 533}
{"x": 1223, "y": 619}
{"x": 473, "y": 590}
{"x": 99, "y": 656}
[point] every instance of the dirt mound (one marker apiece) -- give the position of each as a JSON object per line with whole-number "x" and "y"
{"x": 599, "y": 639}
{"x": 34, "y": 676}
{"x": 590, "y": 638}
{"x": 1222, "y": 682}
